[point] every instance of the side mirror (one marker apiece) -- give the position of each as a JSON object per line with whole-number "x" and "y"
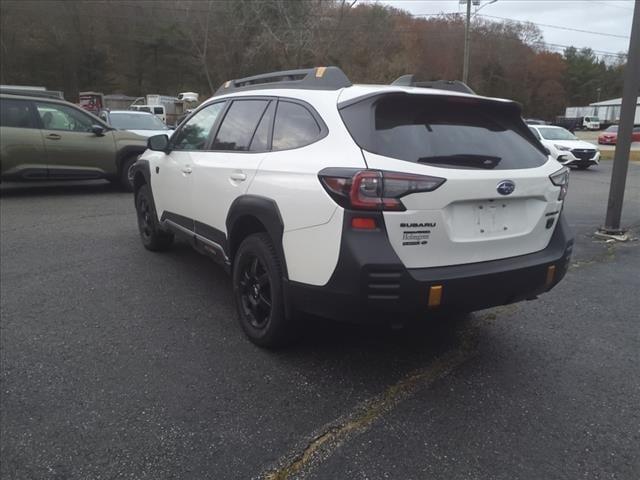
{"x": 158, "y": 143}
{"x": 98, "y": 130}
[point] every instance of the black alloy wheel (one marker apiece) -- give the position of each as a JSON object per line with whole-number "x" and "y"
{"x": 153, "y": 237}
{"x": 255, "y": 292}
{"x": 258, "y": 291}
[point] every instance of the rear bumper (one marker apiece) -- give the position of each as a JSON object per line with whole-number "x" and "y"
{"x": 370, "y": 283}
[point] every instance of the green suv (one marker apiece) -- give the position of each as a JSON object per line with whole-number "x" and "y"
{"x": 45, "y": 138}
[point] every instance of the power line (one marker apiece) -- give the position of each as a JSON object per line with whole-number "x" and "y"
{"x": 559, "y": 27}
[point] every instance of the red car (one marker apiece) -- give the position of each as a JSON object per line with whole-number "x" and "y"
{"x": 610, "y": 135}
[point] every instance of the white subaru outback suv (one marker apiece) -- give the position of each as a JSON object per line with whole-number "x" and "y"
{"x": 357, "y": 202}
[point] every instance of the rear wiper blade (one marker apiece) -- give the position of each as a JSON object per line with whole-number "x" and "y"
{"x": 463, "y": 160}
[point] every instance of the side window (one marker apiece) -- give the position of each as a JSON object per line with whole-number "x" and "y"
{"x": 239, "y": 125}
{"x": 193, "y": 135}
{"x": 294, "y": 127}
{"x": 16, "y": 113}
{"x": 260, "y": 141}
{"x": 158, "y": 110}
{"x": 61, "y": 117}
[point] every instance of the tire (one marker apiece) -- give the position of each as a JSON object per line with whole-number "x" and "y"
{"x": 258, "y": 293}
{"x": 152, "y": 236}
{"x": 126, "y": 179}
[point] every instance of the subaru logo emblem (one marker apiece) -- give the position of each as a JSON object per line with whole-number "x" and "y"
{"x": 506, "y": 187}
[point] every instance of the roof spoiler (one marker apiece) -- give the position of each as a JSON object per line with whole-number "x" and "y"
{"x": 318, "y": 78}
{"x": 452, "y": 85}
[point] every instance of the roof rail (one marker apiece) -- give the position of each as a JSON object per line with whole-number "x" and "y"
{"x": 318, "y": 78}
{"x": 32, "y": 93}
{"x": 452, "y": 85}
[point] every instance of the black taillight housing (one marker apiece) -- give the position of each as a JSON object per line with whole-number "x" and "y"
{"x": 376, "y": 190}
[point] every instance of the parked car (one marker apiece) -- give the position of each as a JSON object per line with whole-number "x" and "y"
{"x": 43, "y": 138}
{"x": 565, "y": 147}
{"x": 144, "y": 124}
{"x": 360, "y": 203}
{"x": 610, "y": 135}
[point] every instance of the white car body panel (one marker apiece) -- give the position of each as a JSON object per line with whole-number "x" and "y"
{"x": 172, "y": 186}
{"x": 312, "y": 253}
{"x": 466, "y": 220}
{"x": 223, "y": 176}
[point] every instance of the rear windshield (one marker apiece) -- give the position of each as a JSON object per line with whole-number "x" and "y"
{"x": 450, "y": 132}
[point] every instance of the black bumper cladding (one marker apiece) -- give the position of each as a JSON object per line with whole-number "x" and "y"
{"x": 370, "y": 282}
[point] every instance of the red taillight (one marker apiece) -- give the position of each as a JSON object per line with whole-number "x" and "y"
{"x": 374, "y": 189}
{"x": 363, "y": 223}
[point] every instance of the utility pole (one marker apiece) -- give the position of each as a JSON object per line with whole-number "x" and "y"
{"x": 467, "y": 34}
{"x": 623, "y": 143}
{"x": 467, "y": 28}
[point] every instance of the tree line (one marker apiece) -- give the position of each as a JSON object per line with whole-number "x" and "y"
{"x": 168, "y": 46}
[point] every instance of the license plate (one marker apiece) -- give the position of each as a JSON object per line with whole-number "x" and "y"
{"x": 491, "y": 217}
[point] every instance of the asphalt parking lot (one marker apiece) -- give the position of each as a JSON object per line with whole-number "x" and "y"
{"x": 120, "y": 363}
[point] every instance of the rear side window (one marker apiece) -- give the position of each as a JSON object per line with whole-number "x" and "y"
{"x": 449, "y": 132}
{"x": 294, "y": 127}
{"x": 239, "y": 125}
{"x": 16, "y": 113}
{"x": 260, "y": 142}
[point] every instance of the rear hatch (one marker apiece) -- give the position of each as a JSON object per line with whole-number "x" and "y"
{"x": 497, "y": 200}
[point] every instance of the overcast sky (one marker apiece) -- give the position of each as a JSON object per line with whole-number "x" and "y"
{"x": 604, "y": 16}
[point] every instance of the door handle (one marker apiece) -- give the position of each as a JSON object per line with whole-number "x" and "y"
{"x": 238, "y": 176}
{"x": 187, "y": 170}
{"x": 53, "y": 136}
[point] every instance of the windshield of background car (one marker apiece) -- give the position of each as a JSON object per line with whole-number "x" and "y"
{"x": 449, "y": 132}
{"x": 612, "y": 128}
{"x": 556, "y": 134}
{"x": 136, "y": 121}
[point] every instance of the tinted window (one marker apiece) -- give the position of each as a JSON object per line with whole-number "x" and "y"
{"x": 158, "y": 110}
{"x": 447, "y": 132}
{"x": 194, "y": 134}
{"x": 16, "y": 113}
{"x": 239, "y": 125}
{"x": 260, "y": 141}
{"x": 63, "y": 117}
{"x": 294, "y": 127}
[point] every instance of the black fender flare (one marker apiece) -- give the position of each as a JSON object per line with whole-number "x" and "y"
{"x": 266, "y": 211}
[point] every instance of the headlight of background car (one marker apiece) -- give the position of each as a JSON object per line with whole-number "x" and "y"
{"x": 562, "y": 147}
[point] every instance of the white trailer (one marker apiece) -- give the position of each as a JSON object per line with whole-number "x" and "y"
{"x": 609, "y": 110}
